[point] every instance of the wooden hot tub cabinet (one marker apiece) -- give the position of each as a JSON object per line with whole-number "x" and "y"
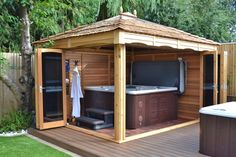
{"x": 141, "y": 110}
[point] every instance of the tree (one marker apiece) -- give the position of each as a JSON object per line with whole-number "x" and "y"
{"x": 52, "y": 16}
{"x": 109, "y": 8}
{"x": 47, "y": 18}
{"x": 207, "y": 18}
{"x": 23, "y": 93}
{"x": 9, "y": 27}
{"x": 26, "y": 52}
{"x": 163, "y": 12}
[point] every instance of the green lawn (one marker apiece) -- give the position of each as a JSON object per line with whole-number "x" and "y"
{"x": 23, "y": 146}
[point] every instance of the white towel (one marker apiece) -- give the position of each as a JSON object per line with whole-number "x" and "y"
{"x": 76, "y": 93}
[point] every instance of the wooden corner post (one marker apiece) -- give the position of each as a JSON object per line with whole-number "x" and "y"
{"x": 223, "y": 76}
{"x": 120, "y": 92}
{"x": 215, "y": 95}
{"x": 201, "y": 81}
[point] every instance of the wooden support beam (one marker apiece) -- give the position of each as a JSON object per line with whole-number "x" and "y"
{"x": 37, "y": 60}
{"x": 215, "y": 94}
{"x": 120, "y": 91}
{"x": 223, "y": 76}
{"x": 201, "y": 81}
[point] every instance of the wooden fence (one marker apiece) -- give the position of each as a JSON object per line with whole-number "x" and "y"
{"x": 231, "y": 76}
{"x": 13, "y": 70}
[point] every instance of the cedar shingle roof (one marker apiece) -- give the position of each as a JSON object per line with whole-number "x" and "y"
{"x": 129, "y": 23}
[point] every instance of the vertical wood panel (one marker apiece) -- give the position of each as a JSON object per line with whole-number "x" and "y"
{"x": 231, "y": 68}
{"x": 120, "y": 92}
{"x": 215, "y": 94}
{"x": 223, "y": 76}
{"x": 201, "y": 82}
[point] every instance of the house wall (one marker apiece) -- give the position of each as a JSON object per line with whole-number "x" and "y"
{"x": 189, "y": 102}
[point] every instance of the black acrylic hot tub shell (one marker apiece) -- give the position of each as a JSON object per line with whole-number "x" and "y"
{"x": 160, "y": 73}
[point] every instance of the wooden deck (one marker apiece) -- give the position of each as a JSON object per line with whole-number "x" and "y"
{"x": 182, "y": 142}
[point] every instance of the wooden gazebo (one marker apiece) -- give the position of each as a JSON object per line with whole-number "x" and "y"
{"x": 128, "y": 38}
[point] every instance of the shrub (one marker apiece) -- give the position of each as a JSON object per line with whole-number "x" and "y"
{"x": 15, "y": 121}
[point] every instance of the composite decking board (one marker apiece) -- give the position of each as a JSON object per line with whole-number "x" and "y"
{"x": 103, "y": 145}
{"x": 90, "y": 145}
{"x": 182, "y": 142}
{"x": 62, "y": 144}
{"x": 169, "y": 144}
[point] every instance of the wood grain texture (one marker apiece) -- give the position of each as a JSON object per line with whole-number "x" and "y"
{"x": 231, "y": 68}
{"x": 120, "y": 92}
{"x": 99, "y": 69}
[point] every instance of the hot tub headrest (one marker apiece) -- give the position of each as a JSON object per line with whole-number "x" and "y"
{"x": 160, "y": 73}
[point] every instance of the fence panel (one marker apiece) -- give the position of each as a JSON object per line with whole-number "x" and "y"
{"x": 14, "y": 71}
{"x": 231, "y": 76}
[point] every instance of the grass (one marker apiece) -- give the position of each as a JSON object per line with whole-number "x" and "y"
{"x": 23, "y": 146}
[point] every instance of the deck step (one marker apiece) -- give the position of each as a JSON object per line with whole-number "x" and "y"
{"x": 106, "y": 115}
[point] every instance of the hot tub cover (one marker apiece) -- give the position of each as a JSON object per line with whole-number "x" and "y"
{"x": 224, "y": 110}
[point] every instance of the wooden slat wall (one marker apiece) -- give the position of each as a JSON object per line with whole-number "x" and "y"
{"x": 189, "y": 102}
{"x": 99, "y": 69}
{"x": 231, "y": 70}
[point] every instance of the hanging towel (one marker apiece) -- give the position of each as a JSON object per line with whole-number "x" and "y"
{"x": 76, "y": 93}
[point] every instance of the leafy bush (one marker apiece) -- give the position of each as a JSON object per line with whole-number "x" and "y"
{"x": 15, "y": 121}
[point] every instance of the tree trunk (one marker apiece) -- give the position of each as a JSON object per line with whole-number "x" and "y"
{"x": 26, "y": 51}
{"x": 13, "y": 87}
{"x": 102, "y": 11}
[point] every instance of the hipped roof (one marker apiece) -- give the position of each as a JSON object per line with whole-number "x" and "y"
{"x": 129, "y": 23}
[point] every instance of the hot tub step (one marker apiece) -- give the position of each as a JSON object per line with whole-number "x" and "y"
{"x": 92, "y": 123}
{"x": 99, "y": 111}
{"x": 89, "y": 120}
{"x": 106, "y": 115}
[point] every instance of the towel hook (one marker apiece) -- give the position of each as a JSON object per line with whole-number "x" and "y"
{"x": 76, "y": 62}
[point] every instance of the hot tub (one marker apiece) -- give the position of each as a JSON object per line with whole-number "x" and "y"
{"x": 145, "y": 105}
{"x": 133, "y": 89}
{"x": 218, "y": 130}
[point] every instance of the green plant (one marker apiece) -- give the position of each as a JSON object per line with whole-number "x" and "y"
{"x": 4, "y": 64}
{"x": 15, "y": 121}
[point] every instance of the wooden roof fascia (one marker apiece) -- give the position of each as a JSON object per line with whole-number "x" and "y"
{"x": 124, "y": 37}
{"x": 120, "y": 36}
{"x": 91, "y": 40}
